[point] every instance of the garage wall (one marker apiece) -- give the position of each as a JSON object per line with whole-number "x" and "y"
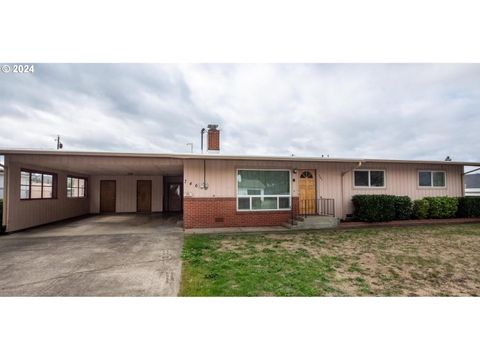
{"x": 22, "y": 214}
{"x": 126, "y": 197}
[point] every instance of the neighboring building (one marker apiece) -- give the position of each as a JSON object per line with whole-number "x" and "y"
{"x": 211, "y": 190}
{"x": 472, "y": 185}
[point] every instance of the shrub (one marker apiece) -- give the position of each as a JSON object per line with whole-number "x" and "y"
{"x": 420, "y": 209}
{"x": 468, "y": 207}
{"x": 374, "y": 207}
{"x": 442, "y": 207}
{"x": 403, "y": 207}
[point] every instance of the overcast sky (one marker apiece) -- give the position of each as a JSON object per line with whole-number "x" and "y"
{"x": 373, "y": 111}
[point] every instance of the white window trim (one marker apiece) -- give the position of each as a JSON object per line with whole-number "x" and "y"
{"x": 369, "y": 186}
{"x": 431, "y": 179}
{"x": 260, "y": 196}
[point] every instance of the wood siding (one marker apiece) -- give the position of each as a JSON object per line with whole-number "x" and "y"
{"x": 126, "y": 200}
{"x": 21, "y": 214}
{"x": 400, "y": 179}
{"x": 220, "y": 175}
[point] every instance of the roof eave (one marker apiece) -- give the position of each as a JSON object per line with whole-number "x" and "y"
{"x": 228, "y": 157}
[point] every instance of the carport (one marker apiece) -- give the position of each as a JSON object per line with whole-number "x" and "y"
{"x": 42, "y": 187}
{"x": 104, "y": 255}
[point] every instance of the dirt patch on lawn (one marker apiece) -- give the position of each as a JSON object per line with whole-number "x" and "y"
{"x": 419, "y": 261}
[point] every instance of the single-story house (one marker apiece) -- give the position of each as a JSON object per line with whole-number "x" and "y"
{"x": 472, "y": 185}
{"x": 211, "y": 189}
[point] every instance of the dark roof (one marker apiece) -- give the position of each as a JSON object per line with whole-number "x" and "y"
{"x": 472, "y": 181}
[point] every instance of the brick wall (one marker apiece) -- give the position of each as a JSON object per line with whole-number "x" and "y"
{"x": 222, "y": 212}
{"x": 213, "y": 139}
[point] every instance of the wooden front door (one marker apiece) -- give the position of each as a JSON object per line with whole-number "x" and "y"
{"x": 307, "y": 192}
{"x": 144, "y": 196}
{"x": 108, "y": 189}
{"x": 174, "y": 197}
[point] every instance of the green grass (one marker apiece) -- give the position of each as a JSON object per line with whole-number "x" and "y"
{"x": 428, "y": 260}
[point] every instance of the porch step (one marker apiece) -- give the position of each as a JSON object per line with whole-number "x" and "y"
{"x": 313, "y": 222}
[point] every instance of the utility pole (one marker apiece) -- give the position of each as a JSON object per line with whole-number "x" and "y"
{"x": 59, "y": 143}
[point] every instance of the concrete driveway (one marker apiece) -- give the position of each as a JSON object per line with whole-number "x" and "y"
{"x": 118, "y": 255}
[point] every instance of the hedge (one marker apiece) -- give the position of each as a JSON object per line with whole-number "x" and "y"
{"x": 403, "y": 207}
{"x": 378, "y": 207}
{"x": 442, "y": 207}
{"x": 468, "y": 207}
{"x": 372, "y": 208}
{"x": 420, "y": 209}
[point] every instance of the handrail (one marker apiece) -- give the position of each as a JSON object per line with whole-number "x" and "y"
{"x": 321, "y": 206}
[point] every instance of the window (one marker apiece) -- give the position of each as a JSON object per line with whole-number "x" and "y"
{"x": 259, "y": 190}
{"x": 306, "y": 175}
{"x": 36, "y": 185}
{"x": 369, "y": 178}
{"x": 427, "y": 178}
{"x": 76, "y": 187}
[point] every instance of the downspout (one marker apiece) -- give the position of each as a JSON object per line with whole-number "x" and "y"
{"x": 360, "y": 163}
{"x": 204, "y": 173}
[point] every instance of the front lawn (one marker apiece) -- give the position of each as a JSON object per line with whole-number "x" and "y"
{"x": 436, "y": 260}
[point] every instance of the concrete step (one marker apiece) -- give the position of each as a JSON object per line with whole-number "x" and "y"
{"x": 314, "y": 222}
{"x": 321, "y": 220}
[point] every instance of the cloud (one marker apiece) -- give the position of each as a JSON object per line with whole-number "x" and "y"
{"x": 414, "y": 111}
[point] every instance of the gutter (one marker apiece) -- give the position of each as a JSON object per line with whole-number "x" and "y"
{"x": 183, "y": 156}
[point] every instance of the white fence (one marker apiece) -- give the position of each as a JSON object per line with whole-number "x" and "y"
{"x": 472, "y": 192}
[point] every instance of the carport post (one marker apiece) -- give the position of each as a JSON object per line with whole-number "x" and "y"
{"x": 5, "y": 193}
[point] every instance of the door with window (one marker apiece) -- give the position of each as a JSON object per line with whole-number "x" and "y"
{"x": 307, "y": 192}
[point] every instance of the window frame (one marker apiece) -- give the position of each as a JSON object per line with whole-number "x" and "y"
{"x": 369, "y": 179}
{"x": 431, "y": 179}
{"x": 289, "y": 196}
{"x": 85, "y": 192}
{"x": 32, "y": 171}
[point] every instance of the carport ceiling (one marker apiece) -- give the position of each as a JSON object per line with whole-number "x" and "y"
{"x": 101, "y": 165}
